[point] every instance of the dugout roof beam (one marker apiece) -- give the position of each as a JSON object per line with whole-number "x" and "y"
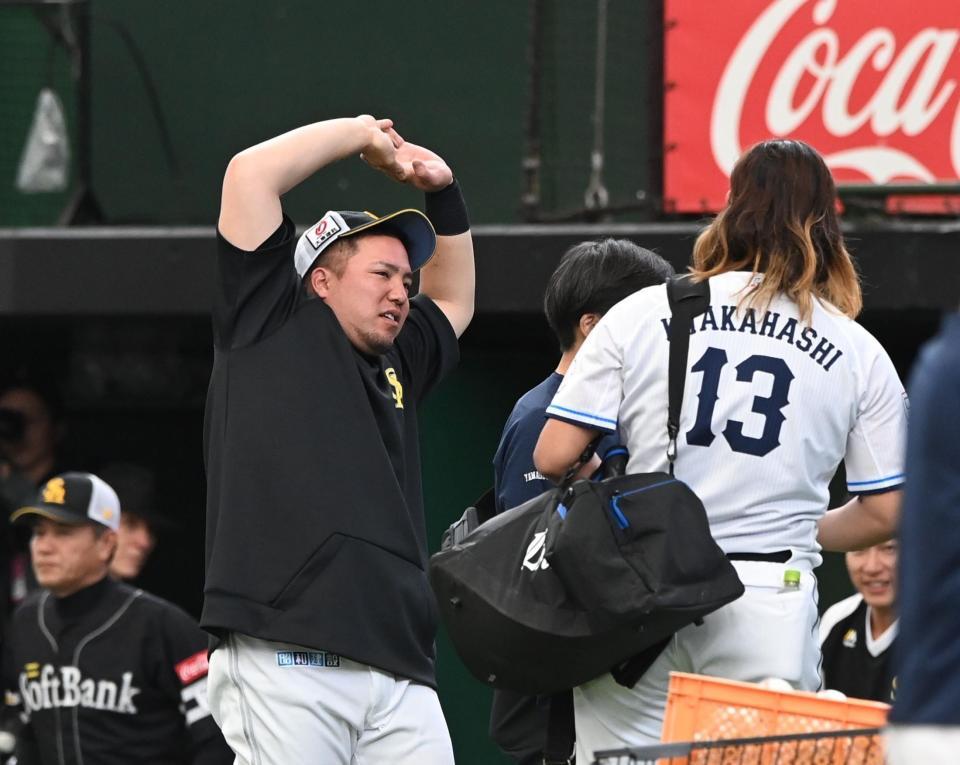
{"x": 169, "y": 271}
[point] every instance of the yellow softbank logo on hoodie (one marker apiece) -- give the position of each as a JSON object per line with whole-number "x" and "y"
{"x": 394, "y": 383}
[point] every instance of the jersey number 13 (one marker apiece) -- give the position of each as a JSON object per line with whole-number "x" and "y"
{"x": 771, "y": 407}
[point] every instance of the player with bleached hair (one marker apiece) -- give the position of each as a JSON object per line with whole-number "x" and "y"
{"x": 781, "y": 386}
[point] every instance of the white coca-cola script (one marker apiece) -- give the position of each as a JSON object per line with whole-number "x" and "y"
{"x": 914, "y": 90}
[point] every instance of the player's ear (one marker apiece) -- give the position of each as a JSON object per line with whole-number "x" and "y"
{"x": 587, "y": 322}
{"x": 107, "y": 545}
{"x": 319, "y": 280}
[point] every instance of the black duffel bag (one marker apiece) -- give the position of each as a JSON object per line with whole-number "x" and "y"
{"x": 572, "y": 584}
{"x": 587, "y": 578}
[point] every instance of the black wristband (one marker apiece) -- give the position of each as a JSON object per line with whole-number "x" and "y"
{"x": 447, "y": 210}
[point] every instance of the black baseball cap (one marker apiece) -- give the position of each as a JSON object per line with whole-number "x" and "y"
{"x": 410, "y": 226}
{"x": 74, "y": 498}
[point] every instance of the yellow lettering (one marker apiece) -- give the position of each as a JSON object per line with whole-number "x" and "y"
{"x": 397, "y": 387}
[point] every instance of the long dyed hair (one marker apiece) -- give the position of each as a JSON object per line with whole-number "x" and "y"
{"x": 781, "y": 220}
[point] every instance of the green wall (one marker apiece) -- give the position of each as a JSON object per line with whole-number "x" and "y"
{"x": 29, "y": 61}
{"x": 226, "y": 74}
{"x": 232, "y": 73}
{"x": 461, "y": 425}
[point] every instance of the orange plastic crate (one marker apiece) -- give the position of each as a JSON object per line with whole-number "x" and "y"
{"x": 701, "y": 708}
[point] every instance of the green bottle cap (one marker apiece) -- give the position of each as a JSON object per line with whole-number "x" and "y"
{"x": 791, "y": 577}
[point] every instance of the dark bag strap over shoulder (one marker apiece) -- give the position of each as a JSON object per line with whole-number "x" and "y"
{"x": 687, "y": 299}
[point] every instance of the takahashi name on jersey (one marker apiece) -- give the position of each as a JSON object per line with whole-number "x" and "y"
{"x": 825, "y": 353}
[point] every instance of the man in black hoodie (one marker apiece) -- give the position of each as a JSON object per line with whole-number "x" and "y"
{"x": 316, "y": 585}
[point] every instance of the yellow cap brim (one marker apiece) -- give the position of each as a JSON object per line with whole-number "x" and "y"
{"x": 412, "y": 227}
{"x": 45, "y": 512}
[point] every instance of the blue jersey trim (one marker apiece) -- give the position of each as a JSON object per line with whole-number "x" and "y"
{"x": 555, "y": 407}
{"x": 881, "y": 490}
{"x": 897, "y": 477}
{"x": 580, "y": 423}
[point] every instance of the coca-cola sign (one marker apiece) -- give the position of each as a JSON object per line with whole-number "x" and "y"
{"x": 872, "y": 85}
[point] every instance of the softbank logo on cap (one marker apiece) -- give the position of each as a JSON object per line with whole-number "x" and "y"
{"x": 55, "y": 492}
{"x": 75, "y": 498}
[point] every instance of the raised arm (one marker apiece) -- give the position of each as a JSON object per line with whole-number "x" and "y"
{"x": 257, "y": 177}
{"x": 449, "y": 277}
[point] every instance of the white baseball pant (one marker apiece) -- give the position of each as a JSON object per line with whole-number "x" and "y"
{"x": 767, "y": 632}
{"x": 927, "y": 744}
{"x": 282, "y": 704}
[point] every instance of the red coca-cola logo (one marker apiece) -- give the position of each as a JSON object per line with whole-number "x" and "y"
{"x": 873, "y": 86}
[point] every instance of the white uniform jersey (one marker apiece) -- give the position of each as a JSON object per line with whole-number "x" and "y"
{"x": 770, "y": 408}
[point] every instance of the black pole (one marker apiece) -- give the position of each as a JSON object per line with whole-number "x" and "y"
{"x": 530, "y": 199}
{"x": 82, "y": 207}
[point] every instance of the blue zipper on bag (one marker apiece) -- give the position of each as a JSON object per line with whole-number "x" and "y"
{"x": 622, "y": 521}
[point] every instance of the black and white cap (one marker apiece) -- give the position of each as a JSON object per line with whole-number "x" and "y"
{"x": 410, "y": 226}
{"x": 74, "y": 498}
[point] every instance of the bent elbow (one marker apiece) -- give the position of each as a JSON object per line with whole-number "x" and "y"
{"x": 882, "y": 513}
{"x": 469, "y": 309}
{"x": 239, "y": 170}
{"x": 891, "y": 513}
{"x": 546, "y": 463}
